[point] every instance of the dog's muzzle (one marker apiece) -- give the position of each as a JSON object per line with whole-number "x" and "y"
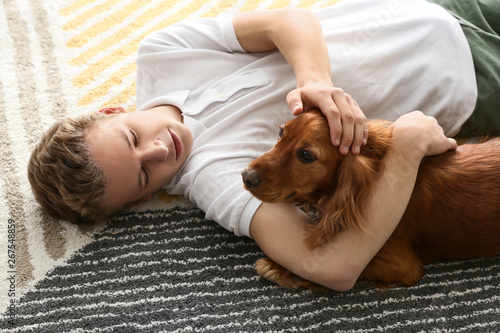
{"x": 251, "y": 178}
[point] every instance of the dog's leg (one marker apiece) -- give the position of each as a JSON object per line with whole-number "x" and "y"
{"x": 396, "y": 264}
{"x": 271, "y": 271}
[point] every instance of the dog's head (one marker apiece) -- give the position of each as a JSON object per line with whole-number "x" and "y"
{"x": 304, "y": 167}
{"x": 300, "y": 167}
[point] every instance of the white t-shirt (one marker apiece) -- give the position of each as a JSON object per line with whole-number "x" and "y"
{"x": 392, "y": 57}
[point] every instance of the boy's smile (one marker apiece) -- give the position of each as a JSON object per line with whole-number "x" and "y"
{"x": 139, "y": 152}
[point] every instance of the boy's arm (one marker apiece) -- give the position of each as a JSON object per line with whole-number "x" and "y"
{"x": 279, "y": 229}
{"x": 297, "y": 34}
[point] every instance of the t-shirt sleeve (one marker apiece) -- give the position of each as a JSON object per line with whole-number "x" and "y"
{"x": 215, "y": 34}
{"x": 218, "y": 190}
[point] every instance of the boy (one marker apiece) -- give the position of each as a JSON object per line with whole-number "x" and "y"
{"x": 210, "y": 97}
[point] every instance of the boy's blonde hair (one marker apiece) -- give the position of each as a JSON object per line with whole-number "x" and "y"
{"x": 63, "y": 175}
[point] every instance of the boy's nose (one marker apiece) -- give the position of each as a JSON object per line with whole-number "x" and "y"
{"x": 156, "y": 151}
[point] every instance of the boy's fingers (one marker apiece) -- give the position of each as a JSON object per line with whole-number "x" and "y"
{"x": 335, "y": 123}
{"x": 294, "y": 102}
{"x": 347, "y": 119}
{"x": 360, "y": 126}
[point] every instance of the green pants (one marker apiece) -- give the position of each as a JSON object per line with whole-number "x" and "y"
{"x": 480, "y": 21}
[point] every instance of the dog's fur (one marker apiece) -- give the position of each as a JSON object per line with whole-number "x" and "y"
{"x": 454, "y": 211}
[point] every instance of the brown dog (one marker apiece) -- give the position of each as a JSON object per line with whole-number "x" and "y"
{"x": 454, "y": 211}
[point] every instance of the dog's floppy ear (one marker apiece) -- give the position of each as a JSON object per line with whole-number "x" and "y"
{"x": 343, "y": 209}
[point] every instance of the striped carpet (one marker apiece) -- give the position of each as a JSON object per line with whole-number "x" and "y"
{"x": 161, "y": 267}
{"x": 174, "y": 271}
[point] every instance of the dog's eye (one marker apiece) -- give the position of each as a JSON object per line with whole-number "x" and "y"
{"x": 306, "y": 156}
{"x": 280, "y": 133}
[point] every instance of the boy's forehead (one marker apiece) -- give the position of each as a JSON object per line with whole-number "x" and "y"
{"x": 103, "y": 131}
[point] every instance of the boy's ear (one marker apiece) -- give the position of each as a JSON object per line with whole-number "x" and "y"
{"x": 112, "y": 110}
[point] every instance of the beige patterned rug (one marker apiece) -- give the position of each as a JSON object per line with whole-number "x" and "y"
{"x": 162, "y": 267}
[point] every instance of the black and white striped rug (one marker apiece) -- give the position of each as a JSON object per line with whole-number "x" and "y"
{"x": 175, "y": 271}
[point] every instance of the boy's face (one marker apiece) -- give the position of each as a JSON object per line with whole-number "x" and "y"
{"x": 140, "y": 152}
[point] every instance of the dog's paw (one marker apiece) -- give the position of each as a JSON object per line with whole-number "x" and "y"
{"x": 271, "y": 271}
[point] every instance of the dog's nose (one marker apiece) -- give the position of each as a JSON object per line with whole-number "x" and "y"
{"x": 251, "y": 178}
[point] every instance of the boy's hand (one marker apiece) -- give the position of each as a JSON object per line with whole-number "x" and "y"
{"x": 418, "y": 135}
{"x": 348, "y": 124}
